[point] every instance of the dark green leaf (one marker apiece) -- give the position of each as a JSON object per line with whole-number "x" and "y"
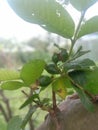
{"x": 29, "y": 100}
{"x": 84, "y": 64}
{"x": 7, "y": 74}
{"x": 11, "y": 85}
{"x": 92, "y": 81}
{"x": 85, "y": 99}
{"x": 82, "y": 4}
{"x": 79, "y": 53}
{"x": 31, "y": 71}
{"x": 78, "y": 77}
{"x": 28, "y": 116}
{"x": 89, "y": 27}
{"x": 49, "y": 14}
{"x": 14, "y": 123}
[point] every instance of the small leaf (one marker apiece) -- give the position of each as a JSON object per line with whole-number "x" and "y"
{"x": 85, "y": 99}
{"x": 14, "y": 123}
{"x": 49, "y": 14}
{"x": 29, "y": 100}
{"x": 92, "y": 81}
{"x": 6, "y": 74}
{"x": 59, "y": 86}
{"x": 31, "y": 71}
{"x": 90, "y": 26}
{"x": 80, "y": 52}
{"x": 82, "y": 4}
{"x": 28, "y": 116}
{"x": 11, "y": 85}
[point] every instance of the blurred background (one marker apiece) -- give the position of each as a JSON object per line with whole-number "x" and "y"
{"x": 21, "y": 42}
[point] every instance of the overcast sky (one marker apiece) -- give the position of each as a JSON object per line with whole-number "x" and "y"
{"x": 11, "y": 26}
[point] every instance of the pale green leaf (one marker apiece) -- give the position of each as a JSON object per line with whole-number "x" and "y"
{"x": 82, "y": 4}
{"x": 49, "y": 14}
{"x": 14, "y": 123}
{"x": 31, "y": 71}
{"x": 11, "y": 85}
{"x": 59, "y": 86}
{"x": 90, "y": 26}
{"x": 7, "y": 74}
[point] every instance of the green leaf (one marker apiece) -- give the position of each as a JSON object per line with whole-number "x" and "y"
{"x": 82, "y": 5}
{"x": 79, "y": 77}
{"x": 31, "y": 71}
{"x": 87, "y": 63}
{"x": 59, "y": 86}
{"x": 92, "y": 81}
{"x": 49, "y": 14}
{"x": 85, "y": 99}
{"x": 29, "y": 100}
{"x": 88, "y": 80}
{"x": 6, "y": 74}
{"x": 11, "y": 85}
{"x": 80, "y": 52}
{"x": 14, "y": 123}
{"x": 28, "y": 116}
{"x": 84, "y": 64}
{"x": 89, "y": 27}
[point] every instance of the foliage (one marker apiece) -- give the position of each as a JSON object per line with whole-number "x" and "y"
{"x": 67, "y": 69}
{"x": 15, "y": 123}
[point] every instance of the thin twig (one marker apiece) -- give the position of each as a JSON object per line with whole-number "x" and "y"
{"x": 6, "y": 101}
{"x": 4, "y": 113}
{"x": 25, "y": 93}
{"x": 73, "y": 41}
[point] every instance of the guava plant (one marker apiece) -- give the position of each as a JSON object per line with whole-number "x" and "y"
{"x": 66, "y": 69}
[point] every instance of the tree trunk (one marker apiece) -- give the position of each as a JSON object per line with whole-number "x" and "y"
{"x": 73, "y": 116}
